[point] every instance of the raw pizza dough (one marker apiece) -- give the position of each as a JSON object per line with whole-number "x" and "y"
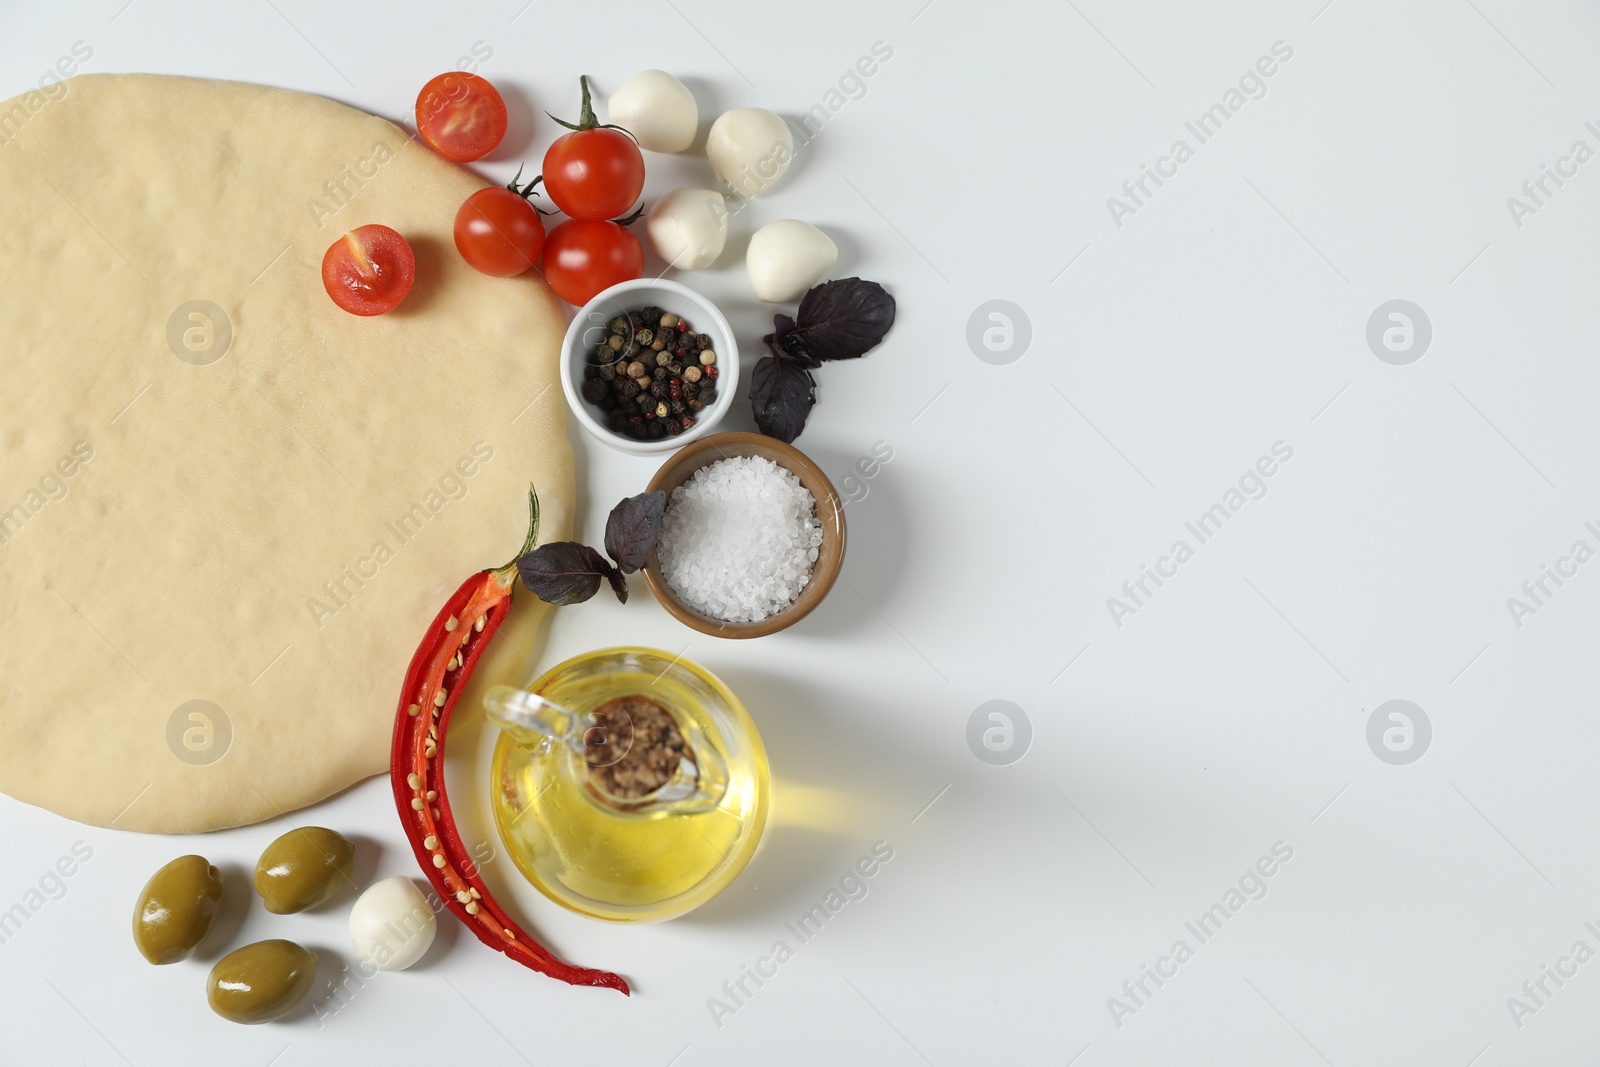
{"x": 270, "y": 532}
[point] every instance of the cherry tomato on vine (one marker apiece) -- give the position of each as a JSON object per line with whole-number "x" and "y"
{"x": 369, "y": 270}
{"x": 461, "y": 116}
{"x": 582, "y": 257}
{"x": 595, "y": 172}
{"x": 499, "y": 232}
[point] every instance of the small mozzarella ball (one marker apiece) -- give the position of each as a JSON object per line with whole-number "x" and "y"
{"x": 391, "y": 924}
{"x": 786, "y": 258}
{"x": 658, "y": 109}
{"x": 749, "y": 148}
{"x": 688, "y": 227}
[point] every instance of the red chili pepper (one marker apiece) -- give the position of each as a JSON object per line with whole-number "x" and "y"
{"x": 439, "y": 671}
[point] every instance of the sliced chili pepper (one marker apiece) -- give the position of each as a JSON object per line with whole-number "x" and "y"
{"x": 438, "y": 673}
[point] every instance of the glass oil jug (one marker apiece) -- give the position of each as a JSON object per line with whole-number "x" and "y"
{"x": 626, "y": 858}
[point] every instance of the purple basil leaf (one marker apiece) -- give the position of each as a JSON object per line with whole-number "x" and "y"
{"x": 631, "y": 531}
{"x": 619, "y": 584}
{"x": 781, "y": 394}
{"x": 841, "y": 319}
{"x": 565, "y": 572}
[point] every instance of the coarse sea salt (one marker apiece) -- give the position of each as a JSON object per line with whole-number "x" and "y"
{"x": 739, "y": 539}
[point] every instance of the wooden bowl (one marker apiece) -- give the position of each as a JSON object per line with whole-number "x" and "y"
{"x": 830, "y": 513}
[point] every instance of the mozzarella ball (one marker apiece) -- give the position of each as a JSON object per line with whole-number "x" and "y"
{"x": 786, "y": 258}
{"x": 749, "y": 148}
{"x": 656, "y": 108}
{"x": 688, "y": 227}
{"x": 392, "y": 924}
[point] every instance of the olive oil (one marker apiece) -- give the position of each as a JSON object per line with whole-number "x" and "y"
{"x": 631, "y": 865}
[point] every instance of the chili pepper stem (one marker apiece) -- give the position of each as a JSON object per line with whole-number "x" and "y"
{"x": 505, "y": 575}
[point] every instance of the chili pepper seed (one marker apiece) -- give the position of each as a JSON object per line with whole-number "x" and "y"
{"x": 414, "y": 781}
{"x": 430, "y": 842}
{"x": 438, "y": 859}
{"x": 472, "y": 907}
{"x": 450, "y": 624}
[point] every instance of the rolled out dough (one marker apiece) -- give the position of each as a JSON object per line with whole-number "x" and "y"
{"x": 214, "y": 571}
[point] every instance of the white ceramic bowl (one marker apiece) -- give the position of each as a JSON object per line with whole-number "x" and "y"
{"x": 588, "y": 329}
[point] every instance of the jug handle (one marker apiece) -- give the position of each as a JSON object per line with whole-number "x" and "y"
{"x": 528, "y": 717}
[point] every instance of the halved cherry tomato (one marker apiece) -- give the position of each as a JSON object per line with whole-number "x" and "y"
{"x": 369, "y": 270}
{"x": 498, "y": 232}
{"x": 596, "y": 172}
{"x": 461, "y": 116}
{"x": 582, "y": 257}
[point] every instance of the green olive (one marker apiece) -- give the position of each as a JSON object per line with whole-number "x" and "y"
{"x": 261, "y": 982}
{"x": 303, "y": 868}
{"x": 176, "y": 909}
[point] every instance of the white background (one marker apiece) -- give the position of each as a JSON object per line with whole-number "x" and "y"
{"x": 1227, "y": 714}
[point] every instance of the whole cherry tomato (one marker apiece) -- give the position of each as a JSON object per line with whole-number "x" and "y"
{"x": 461, "y": 116}
{"x": 596, "y": 172}
{"x": 582, "y": 257}
{"x": 499, "y": 232}
{"x": 369, "y": 270}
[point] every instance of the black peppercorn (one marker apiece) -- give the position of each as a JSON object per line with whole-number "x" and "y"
{"x": 647, "y": 376}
